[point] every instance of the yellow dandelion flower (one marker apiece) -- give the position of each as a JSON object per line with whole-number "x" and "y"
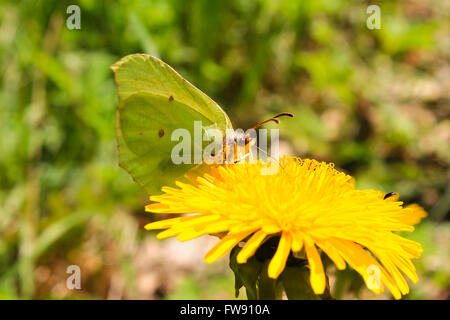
{"x": 311, "y": 206}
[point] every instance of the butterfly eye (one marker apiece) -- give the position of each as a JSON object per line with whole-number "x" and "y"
{"x": 213, "y": 153}
{"x": 388, "y": 195}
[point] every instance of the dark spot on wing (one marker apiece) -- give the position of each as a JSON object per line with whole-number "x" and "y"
{"x": 171, "y": 98}
{"x": 390, "y": 194}
{"x": 161, "y": 133}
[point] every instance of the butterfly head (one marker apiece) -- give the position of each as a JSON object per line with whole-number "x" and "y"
{"x": 237, "y": 146}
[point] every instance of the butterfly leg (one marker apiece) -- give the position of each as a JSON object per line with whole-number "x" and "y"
{"x": 243, "y": 157}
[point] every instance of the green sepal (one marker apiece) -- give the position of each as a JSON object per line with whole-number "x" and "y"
{"x": 245, "y": 274}
{"x": 296, "y": 283}
{"x": 268, "y": 288}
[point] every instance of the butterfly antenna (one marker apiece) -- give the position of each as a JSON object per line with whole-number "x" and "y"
{"x": 274, "y": 119}
{"x": 283, "y": 114}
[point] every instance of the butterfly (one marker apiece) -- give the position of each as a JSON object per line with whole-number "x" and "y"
{"x": 154, "y": 101}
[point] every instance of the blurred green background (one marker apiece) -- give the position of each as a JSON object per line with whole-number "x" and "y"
{"x": 375, "y": 102}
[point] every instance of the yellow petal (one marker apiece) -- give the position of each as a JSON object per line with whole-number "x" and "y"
{"x": 224, "y": 245}
{"x": 190, "y": 234}
{"x": 414, "y": 214}
{"x": 393, "y": 271}
{"x": 198, "y": 221}
{"x": 167, "y": 233}
{"x": 278, "y": 261}
{"x": 157, "y": 208}
{"x": 297, "y": 242}
{"x": 271, "y": 229}
{"x": 162, "y": 224}
{"x": 250, "y": 247}
{"x": 333, "y": 254}
{"x": 360, "y": 260}
{"x": 217, "y": 227}
{"x": 317, "y": 275}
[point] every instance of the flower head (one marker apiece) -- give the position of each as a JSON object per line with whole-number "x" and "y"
{"x": 311, "y": 206}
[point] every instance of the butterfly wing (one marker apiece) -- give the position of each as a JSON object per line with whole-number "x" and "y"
{"x": 154, "y": 100}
